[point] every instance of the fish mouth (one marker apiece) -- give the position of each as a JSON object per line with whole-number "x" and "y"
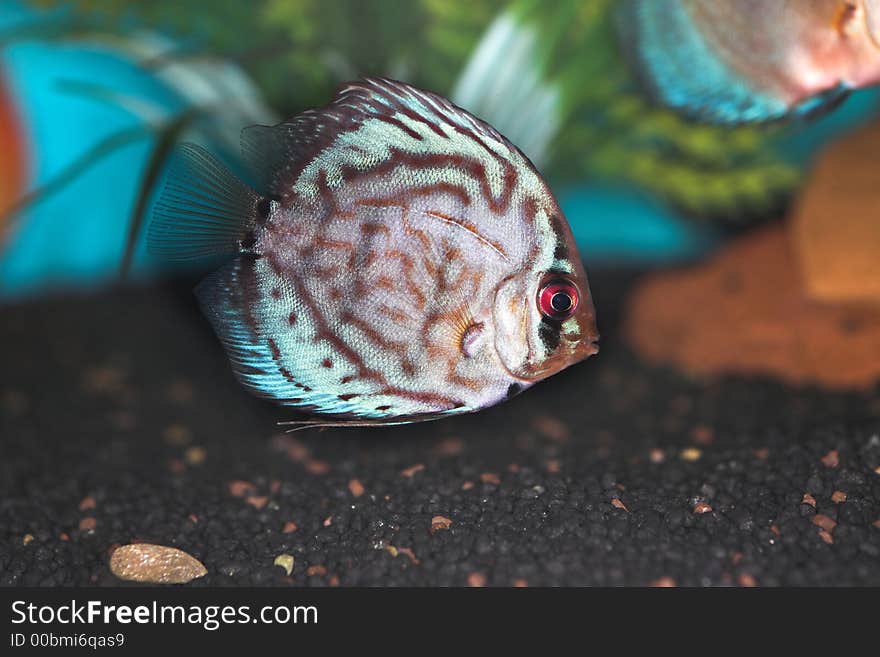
{"x": 585, "y": 348}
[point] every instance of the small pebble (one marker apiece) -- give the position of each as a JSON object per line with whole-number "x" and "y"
{"x": 664, "y": 582}
{"x": 809, "y": 499}
{"x": 476, "y": 580}
{"x": 257, "y": 501}
{"x": 316, "y": 467}
{"x": 490, "y": 478}
{"x": 289, "y": 527}
{"x": 747, "y": 580}
{"x": 552, "y": 428}
{"x": 240, "y": 488}
{"x": 831, "y": 459}
{"x": 195, "y": 455}
{"x": 826, "y": 536}
{"x": 176, "y": 434}
{"x": 823, "y": 521}
{"x": 356, "y": 487}
{"x": 88, "y": 524}
{"x": 285, "y": 561}
{"x": 618, "y": 504}
{"x": 27, "y": 538}
{"x": 440, "y": 522}
{"x": 87, "y": 503}
{"x": 702, "y": 507}
{"x": 412, "y": 470}
{"x": 155, "y": 564}
{"x": 691, "y": 454}
{"x": 838, "y": 496}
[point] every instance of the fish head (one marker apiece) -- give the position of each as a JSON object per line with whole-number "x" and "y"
{"x": 857, "y": 59}
{"x": 544, "y": 318}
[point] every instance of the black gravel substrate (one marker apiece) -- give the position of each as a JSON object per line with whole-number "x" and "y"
{"x": 120, "y": 421}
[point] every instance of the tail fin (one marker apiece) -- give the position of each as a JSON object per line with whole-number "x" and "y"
{"x": 204, "y": 210}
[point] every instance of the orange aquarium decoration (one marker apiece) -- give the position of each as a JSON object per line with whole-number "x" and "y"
{"x": 13, "y": 169}
{"x": 745, "y": 311}
{"x": 836, "y": 227}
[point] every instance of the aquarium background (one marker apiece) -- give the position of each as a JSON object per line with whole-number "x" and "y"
{"x": 96, "y": 93}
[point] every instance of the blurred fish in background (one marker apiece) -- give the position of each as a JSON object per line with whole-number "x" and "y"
{"x": 104, "y": 89}
{"x": 568, "y": 69}
{"x": 737, "y": 61}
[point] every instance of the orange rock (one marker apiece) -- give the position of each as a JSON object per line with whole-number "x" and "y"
{"x": 744, "y": 311}
{"x": 156, "y": 564}
{"x": 835, "y": 231}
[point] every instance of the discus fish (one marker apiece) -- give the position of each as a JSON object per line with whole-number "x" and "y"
{"x": 738, "y": 61}
{"x": 398, "y": 261}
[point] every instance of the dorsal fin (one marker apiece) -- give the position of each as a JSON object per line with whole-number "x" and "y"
{"x": 274, "y": 152}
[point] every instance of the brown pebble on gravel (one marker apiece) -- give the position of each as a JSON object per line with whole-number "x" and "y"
{"x": 736, "y": 557}
{"x": 87, "y": 503}
{"x": 809, "y": 499}
{"x": 823, "y": 521}
{"x": 155, "y": 564}
{"x": 316, "y": 467}
{"x": 440, "y": 522}
{"x": 467, "y": 485}
{"x": 316, "y": 570}
{"x": 64, "y": 536}
{"x": 490, "y": 478}
{"x": 722, "y": 317}
{"x": 618, "y": 504}
{"x": 333, "y": 580}
{"x": 412, "y": 470}
{"x": 664, "y": 583}
{"x": 328, "y": 521}
{"x": 449, "y": 447}
{"x": 831, "y": 459}
{"x": 691, "y": 454}
{"x": 703, "y": 435}
{"x": 289, "y": 527}
{"x": 775, "y": 530}
{"x": 826, "y": 536}
{"x": 702, "y": 507}
{"x": 838, "y": 496}
{"x": 356, "y": 487}
{"x": 88, "y": 524}
{"x": 239, "y": 488}
{"x": 27, "y": 538}
{"x": 553, "y": 466}
{"x": 257, "y": 501}
{"x": 747, "y": 581}
{"x": 193, "y": 518}
{"x": 295, "y": 450}
{"x": 476, "y": 580}
{"x": 552, "y": 428}
{"x": 520, "y": 583}
{"x": 409, "y": 554}
{"x": 657, "y": 455}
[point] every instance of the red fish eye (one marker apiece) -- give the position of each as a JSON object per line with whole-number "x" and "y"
{"x": 558, "y": 300}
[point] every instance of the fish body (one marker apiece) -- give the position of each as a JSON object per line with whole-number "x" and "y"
{"x": 738, "y": 61}
{"x": 402, "y": 261}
